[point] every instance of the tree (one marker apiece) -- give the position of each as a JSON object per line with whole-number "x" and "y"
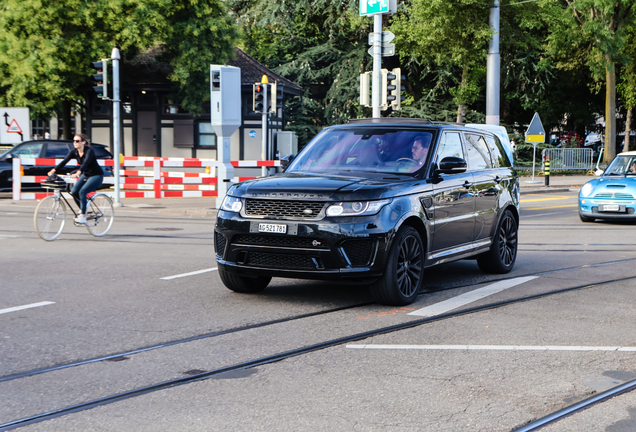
{"x": 626, "y": 87}
{"x": 46, "y": 47}
{"x": 595, "y": 28}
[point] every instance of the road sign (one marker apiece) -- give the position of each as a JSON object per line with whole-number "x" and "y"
{"x": 387, "y": 37}
{"x": 15, "y": 126}
{"x": 388, "y": 50}
{"x": 535, "y": 133}
{"x": 371, "y": 7}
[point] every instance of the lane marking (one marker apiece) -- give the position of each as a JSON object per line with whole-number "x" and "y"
{"x": 32, "y": 305}
{"x": 8, "y": 236}
{"x": 469, "y": 297}
{"x": 189, "y": 274}
{"x": 554, "y": 198}
{"x": 542, "y": 214}
{"x": 495, "y": 347}
{"x": 551, "y": 207}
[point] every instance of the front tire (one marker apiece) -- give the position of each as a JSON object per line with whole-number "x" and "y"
{"x": 49, "y": 218}
{"x": 244, "y": 284}
{"x": 502, "y": 255}
{"x": 404, "y": 272}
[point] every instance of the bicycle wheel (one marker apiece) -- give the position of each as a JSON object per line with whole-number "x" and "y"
{"x": 49, "y": 218}
{"x": 99, "y": 214}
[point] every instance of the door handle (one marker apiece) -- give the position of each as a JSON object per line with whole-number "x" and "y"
{"x": 498, "y": 179}
{"x": 467, "y": 185}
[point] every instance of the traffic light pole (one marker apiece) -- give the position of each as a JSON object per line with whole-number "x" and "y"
{"x": 264, "y": 126}
{"x": 377, "y": 65}
{"x": 116, "y": 124}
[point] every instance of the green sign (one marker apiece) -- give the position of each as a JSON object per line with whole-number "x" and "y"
{"x": 371, "y": 7}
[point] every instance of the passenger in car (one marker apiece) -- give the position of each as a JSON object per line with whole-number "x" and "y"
{"x": 633, "y": 168}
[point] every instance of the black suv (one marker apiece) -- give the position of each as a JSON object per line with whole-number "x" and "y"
{"x": 364, "y": 202}
{"x": 49, "y": 149}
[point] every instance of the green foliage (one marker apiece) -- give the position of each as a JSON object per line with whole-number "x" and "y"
{"x": 45, "y": 47}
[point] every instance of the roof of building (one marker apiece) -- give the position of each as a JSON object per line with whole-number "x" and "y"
{"x": 252, "y": 71}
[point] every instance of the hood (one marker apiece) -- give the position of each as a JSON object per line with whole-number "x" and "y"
{"x": 306, "y": 186}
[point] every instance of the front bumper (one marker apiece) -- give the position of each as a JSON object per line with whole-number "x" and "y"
{"x": 594, "y": 208}
{"x": 338, "y": 248}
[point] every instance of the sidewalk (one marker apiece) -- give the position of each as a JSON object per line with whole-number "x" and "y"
{"x": 558, "y": 183}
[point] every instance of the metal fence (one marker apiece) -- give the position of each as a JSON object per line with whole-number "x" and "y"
{"x": 569, "y": 158}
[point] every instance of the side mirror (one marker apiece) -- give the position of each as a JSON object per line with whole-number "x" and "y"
{"x": 452, "y": 165}
{"x": 286, "y": 160}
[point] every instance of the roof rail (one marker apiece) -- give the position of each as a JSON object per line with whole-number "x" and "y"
{"x": 395, "y": 120}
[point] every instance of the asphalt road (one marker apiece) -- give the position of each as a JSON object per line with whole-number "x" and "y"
{"x": 146, "y": 304}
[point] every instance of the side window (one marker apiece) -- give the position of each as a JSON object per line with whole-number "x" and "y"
{"x": 56, "y": 150}
{"x": 499, "y": 156}
{"x": 29, "y": 150}
{"x": 478, "y": 154}
{"x": 450, "y": 144}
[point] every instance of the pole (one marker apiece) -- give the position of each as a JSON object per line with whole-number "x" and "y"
{"x": 116, "y": 124}
{"x": 377, "y": 65}
{"x": 264, "y": 130}
{"x": 546, "y": 170}
{"x": 493, "y": 69}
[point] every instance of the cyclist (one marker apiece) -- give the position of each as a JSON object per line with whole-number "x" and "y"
{"x": 89, "y": 176}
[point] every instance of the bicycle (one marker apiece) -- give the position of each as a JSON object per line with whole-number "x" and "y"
{"x": 50, "y": 214}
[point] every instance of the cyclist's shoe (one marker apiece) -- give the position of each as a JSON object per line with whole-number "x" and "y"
{"x": 81, "y": 220}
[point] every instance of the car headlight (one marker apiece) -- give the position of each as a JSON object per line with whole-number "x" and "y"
{"x": 586, "y": 190}
{"x": 356, "y": 208}
{"x": 231, "y": 204}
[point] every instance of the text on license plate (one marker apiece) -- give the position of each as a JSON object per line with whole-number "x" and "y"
{"x": 610, "y": 207}
{"x": 273, "y": 228}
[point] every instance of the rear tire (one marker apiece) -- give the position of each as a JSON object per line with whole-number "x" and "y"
{"x": 502, "y": 255}
{"x": 49, "y": 218}
{"x": 244, "y": 284}
{"x": 585, "y": 218}
{"x": 404, "y": 272}
{"x": 99, "y": 214}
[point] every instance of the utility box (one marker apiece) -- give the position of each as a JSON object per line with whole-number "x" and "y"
{"x": 286, "y": 143}
{"x": 225, "y": 99}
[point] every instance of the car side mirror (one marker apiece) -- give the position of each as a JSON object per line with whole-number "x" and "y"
{"x": 452, "y": 165}
{"x": 286, "y": 160}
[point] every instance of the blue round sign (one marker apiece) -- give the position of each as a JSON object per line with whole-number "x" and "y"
{"x": 252, "y": 134}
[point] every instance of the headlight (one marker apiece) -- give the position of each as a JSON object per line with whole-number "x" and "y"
{"x": 356, "y": 208}
{"x": 232, "y": 204}
{"x": 586, "y": 190}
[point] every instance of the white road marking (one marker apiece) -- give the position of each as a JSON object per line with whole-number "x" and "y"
{"x": 32, "y": 305}
{"x": 469, "y": 297}
{"x": 494, "y": 347}
{"x": 8, "y": 236}
{"x": 542, "y": 214}
{"x": 189, "y": 274}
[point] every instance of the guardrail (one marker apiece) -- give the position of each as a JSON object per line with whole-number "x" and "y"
{"x": 562, "y": 159}
{"x": 157, "y": 183}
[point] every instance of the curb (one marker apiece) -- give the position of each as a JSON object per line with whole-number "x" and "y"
{"x": 560, "y": 189}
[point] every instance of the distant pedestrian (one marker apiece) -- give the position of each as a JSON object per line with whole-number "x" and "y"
{"x": 47, "y": 135}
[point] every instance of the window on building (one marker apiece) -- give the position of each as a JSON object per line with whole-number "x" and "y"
{"x": 206, "y": 136}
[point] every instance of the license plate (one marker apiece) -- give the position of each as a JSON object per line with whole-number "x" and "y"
{"x": 272, "y": 228}
{"x": 610, "y": 207}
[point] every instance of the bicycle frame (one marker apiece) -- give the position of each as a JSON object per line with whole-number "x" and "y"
{"x": 96, "y": 211}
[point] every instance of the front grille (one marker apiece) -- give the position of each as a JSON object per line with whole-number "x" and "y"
{"x": 283, "y": 208}
{"x": 359, "y": 252}
{"x": 630, "y": 211}
{"x": 614, "y": 195}
{"x": 219, "y": 243}
{"x": 283, "y": 261}
{"x": 277, "y": 241}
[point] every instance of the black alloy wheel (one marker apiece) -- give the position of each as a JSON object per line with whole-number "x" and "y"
{"x": 244, "y": 284}
{"x": 404, "y": 271}
{"x": 503, "y": 252}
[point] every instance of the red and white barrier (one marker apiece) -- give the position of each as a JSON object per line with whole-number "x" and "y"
{"x": 145, "y": 184}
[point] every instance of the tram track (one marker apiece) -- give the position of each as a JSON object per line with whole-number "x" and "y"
{"x": 283, "y": 355}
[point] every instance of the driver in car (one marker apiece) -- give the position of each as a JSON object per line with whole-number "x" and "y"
{"x": 420, "y": 150}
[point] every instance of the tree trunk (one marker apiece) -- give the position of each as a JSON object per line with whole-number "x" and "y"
{"x": 610, "y": 112}
{"x": 628, "y": 129}
{"x": 66, "y": 120}
{"x": 461, "y": 107}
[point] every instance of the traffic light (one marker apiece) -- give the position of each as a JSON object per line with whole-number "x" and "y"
{"x": 396, "y": 93}
{"x": 100, "y": 78}
{"x": 364, "y": 89}
{"x": 257, "y": 100}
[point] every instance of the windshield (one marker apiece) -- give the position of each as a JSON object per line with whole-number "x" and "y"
{"x": 622, "y": 165}
{"x": 365, "y": 149}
